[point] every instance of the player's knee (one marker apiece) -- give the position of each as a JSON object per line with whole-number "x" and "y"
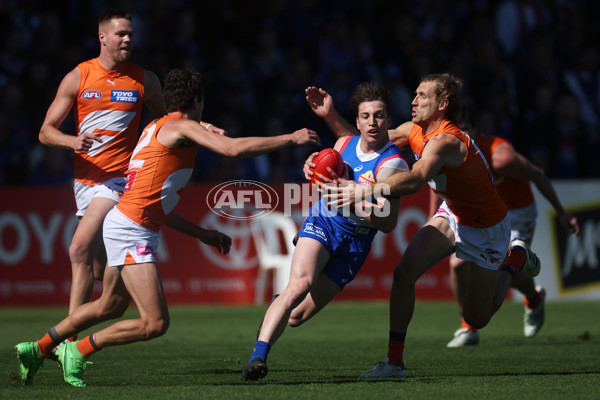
{"x": 99, "y": 271}
{"x": 154, "y": 329}
{"x": 115, "y": 310}
{"x": 294, "y": 322}
{"x": 402, "y": 274}
{"x": 78, "y": 251}
{"x": 297, "y": 290}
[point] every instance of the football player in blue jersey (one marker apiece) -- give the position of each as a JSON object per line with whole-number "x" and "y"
{"x": 332, "y": 245}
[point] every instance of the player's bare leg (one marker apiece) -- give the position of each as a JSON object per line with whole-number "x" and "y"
{"x": 307, "y": 263}
{"x": 323, "y": 291}
{"x": 86, "y": 243}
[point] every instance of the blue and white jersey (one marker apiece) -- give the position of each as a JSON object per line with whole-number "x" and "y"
{"x": 363, "y": 170}
{"x": 348, "y": 239}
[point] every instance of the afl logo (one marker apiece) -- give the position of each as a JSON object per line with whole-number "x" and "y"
{"x": 242, "y": 199}
{"x": 91, "y": 95}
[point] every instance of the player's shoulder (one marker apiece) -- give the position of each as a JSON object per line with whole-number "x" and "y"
{"x": 70, "y": 82}
{"x": 151, "y": 81}
{"x": 181, "y": 124}
{"x": 341, "y": 143}
{"x": 92, "y": 62}
{"x": 446, "y": 138}
{"x": 401, "y": 134}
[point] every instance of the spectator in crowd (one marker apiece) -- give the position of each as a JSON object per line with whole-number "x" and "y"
{"x": 309, "y": 43}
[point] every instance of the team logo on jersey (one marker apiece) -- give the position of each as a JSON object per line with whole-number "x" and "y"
{"x": 91, "y": 95}
{"x": 367, "y": 178}
{"x": 124, "y": 96}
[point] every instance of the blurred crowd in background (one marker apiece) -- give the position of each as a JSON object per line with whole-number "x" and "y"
{"x": 531, "y": 71}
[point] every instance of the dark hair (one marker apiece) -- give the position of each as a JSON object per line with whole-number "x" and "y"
{"x": 448, "y": 87}
{"x": 182, "y": 86}
{"x": 113, "y": 13}
{"x": 369, "y": 91}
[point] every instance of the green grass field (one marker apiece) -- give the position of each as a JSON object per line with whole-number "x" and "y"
{"x": 206, "y": 348}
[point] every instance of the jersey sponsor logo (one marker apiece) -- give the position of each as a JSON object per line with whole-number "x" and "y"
{"x": 491, "y": 256}
{"x": 358, "y": 168}
{"x": 91, "y": 95}
{"x": 143, "y": 250}
{"x": 367, "y": 178}
{"x": 311, "y": 229}
{"x": 124, "y": 96}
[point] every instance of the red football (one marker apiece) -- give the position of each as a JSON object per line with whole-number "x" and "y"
{"x": 327, "y": 158}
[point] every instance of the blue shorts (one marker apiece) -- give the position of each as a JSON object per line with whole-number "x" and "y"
{"x": 348, "y": 250}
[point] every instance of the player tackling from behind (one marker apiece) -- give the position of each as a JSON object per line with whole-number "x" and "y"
{"x": 160, "y": 166}
{"x": 472, "y": 221}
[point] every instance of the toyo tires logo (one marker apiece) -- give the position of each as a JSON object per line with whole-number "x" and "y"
{"x": 242, "y": 199}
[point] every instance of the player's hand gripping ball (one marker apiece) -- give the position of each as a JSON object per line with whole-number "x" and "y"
{"x": 327, "y": 158}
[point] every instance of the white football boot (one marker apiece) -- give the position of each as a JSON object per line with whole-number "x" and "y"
{"x": 464, "y": 337}
{"x": 534, "y": 317}
{"x": 384, "y": 370}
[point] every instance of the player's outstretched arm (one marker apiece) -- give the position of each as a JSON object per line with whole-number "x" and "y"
{"x": 240, "y": 147}
{"x": 507, "y": 161}
{"x": 383, "y": 215}
{"x": 321, "y": 103}
{"x": 213, "y": 238}
{"x": 212, "y": 128}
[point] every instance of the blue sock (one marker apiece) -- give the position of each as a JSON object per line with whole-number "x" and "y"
{"x": 261, "y": 350}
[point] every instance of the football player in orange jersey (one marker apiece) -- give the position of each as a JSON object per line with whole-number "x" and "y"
{"x": 161, "y": 164}
{"x": 106, "y": 95}
{"x": 472, "y": 220}
{"x": 512, "y": 174}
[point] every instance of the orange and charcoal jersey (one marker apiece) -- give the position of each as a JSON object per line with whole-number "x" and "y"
{"x": 515, "y": 193}
{"x": 468, "y": 189}
{"x": 156, "y": 177}
{"x": 110, "y": 103}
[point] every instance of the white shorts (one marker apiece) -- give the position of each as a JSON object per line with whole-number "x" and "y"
{"x": 485, "y": 247}
{"x": 522, "y": 223}
{"x": 127, "y": 242}
{"x": 110, "y": 189}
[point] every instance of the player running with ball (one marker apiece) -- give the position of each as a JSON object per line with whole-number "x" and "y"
{"x": 331, "y": 248}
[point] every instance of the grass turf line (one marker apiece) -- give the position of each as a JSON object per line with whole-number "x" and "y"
{"x": 206, "y": 348}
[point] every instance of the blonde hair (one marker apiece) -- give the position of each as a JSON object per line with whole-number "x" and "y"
{"x": 447, "y": 88}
